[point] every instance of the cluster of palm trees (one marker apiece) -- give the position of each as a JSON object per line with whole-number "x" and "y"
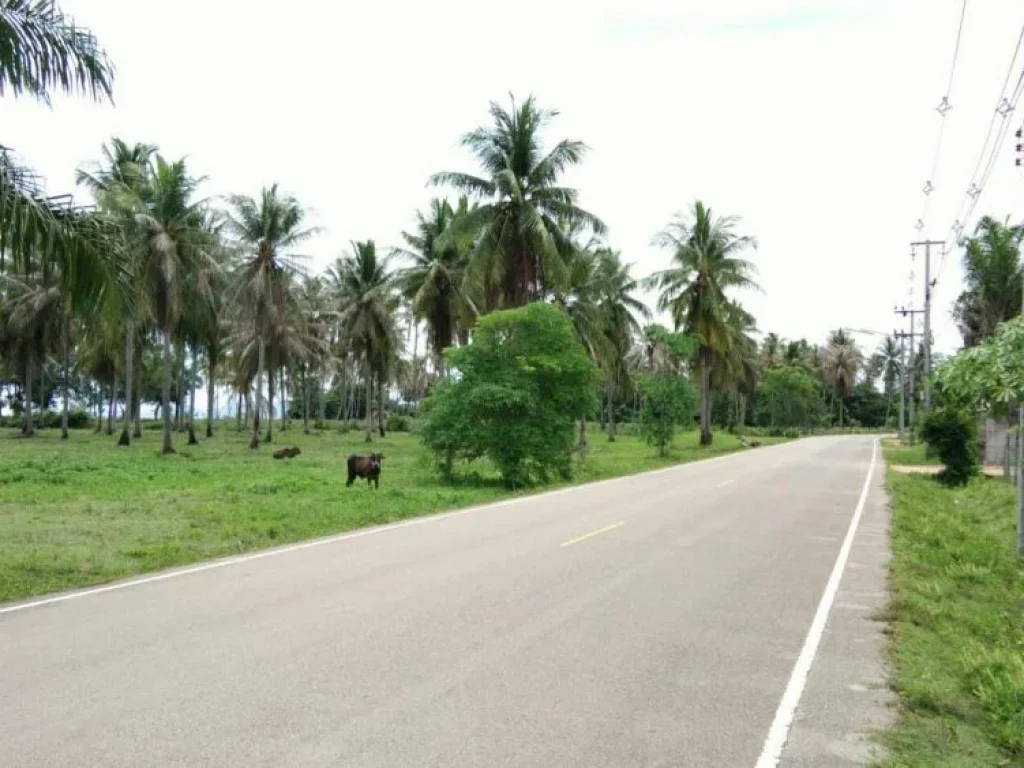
{"x": 840, "y": 365}
{"x": 153, "y": 281}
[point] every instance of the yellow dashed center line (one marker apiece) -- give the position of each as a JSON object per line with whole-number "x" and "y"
{"x": 592, "y": 534}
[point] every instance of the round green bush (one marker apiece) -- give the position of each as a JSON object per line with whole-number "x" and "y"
{"x": 953, "y": 434}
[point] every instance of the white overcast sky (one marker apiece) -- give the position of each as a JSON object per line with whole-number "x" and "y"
{"x": 814, "y": 122}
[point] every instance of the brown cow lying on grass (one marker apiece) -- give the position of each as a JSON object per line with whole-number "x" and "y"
{"x": 365, "y": 466}
{"x": 287, "y": 453}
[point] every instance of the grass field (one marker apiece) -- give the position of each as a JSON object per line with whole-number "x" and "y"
{"x": 958, "y": 623}
{"x": 84, "y": 511}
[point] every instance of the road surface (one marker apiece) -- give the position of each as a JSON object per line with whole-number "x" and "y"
{"x": 654, "y": 620}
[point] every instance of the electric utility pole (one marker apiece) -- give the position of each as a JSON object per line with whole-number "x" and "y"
{"x": 910, "y": 313}
{"x": 1019, "y": 161}
{"x": 903, "y": 383}
{"x": 927, "y": 316}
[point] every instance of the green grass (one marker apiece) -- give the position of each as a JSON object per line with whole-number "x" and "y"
{"x": 83, "y": 512}
{"x": 908, "y": 454}
{"x": 957, "y": 617}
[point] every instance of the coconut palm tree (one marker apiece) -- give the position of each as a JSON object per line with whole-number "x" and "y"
{"x": 41, "y": 51}
{"x": 31, "y": 317}
{"x": 889, "y": 356}
{"x": 435, "y": 282}
{"x": 174, "y": 249}
{"x": 522, "y": 250}
{"x": 621, "y": 313}
{"x": 771, "y": 351}
{"x": 993, "y": 274}
{"x": 840, "y": 364}
{"x": 705, "y": 266}
{"x": 121, "y": 176}
{"x": 269, "y": 229}
{"x": 366, "y": 304}
{"x": 797, "y": 353}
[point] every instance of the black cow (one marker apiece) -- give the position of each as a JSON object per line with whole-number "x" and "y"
{"x": 365, "y": 466}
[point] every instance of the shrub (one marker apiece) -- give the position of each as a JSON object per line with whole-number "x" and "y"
{"x": 669, "y": 401}
{"x": 515, "y": 394}
{"x": 399, "y": 423}
{"x": 952, "y": 433}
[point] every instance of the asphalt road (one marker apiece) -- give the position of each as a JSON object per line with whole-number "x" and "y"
{"x": 653, "y": 620}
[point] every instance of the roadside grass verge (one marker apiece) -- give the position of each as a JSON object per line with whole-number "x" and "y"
{"x": 898, "y": 454}
{"x": 957, "y": 621}
{"x": 84, "y": 512}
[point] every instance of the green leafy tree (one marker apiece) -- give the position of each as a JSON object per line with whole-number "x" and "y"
{"x": 516, "y": 392}
{"x": 790, "y": 397}
{"x": 668, "y": 402}
{"x": 694, "y": 290}
{"x": 521, "y": 250}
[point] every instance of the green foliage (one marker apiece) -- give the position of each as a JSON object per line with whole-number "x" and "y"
{"x": 867, "y": 407}
{"x": 953, "y": 434}
{"x": 669, "y": 401}
{"x": 518, "y": 388}
{"x": 957, "y": 625}
{"x": 398, "y": 422}
{"x": 77, "y": 419}
{"x": 790, "y": 396}
{"x": 988, "y": 375}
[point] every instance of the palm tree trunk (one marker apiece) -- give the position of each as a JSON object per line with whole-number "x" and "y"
{"x": 705, "y": 396}
{"x": 582, "y": 445}
{"x": 840, "y": 412}
{"x": 28, "y": 428}
{"x": 129, "y": 367}
{"x": 192, "y": 440}
{"x": 211, "y": 366}
{"x": 99, "y": 409}
{"x": 380, "y": 405}
{"x": 284, "y": 402}
{"x": 111, "y": 405}
{"x": 168, "y": 373}
{"x": 611, "y": 411}
{"x": 179, "y": 409}
{"x": 137, "y": 396}
{"x": 65, "y": 342}
{"x": 305, "y": 401}
{"x": 369, "y": 404}
{"x": 321, "y": 401}
{"x": 261, "y": 362}
{"x": 270, "y": 403}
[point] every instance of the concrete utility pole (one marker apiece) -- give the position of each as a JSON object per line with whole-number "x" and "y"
{"x": 928, "y": 284}
{"x": 1019, "y": 161}
{"x": 903, "y": 382}
{"x": 910, "y": 313}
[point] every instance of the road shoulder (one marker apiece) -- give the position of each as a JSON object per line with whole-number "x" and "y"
{"x": 847, "y": 698}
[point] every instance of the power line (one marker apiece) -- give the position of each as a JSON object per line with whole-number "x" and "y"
{"x": 1005, "y": 105}
{"x": 943, "y": 109}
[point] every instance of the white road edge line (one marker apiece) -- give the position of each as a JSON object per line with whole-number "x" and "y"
{"x": 775, "y": 742}
{"x": 429, "y": 518}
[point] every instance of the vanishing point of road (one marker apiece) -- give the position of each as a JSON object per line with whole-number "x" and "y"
{"x": 713, "y": 614}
